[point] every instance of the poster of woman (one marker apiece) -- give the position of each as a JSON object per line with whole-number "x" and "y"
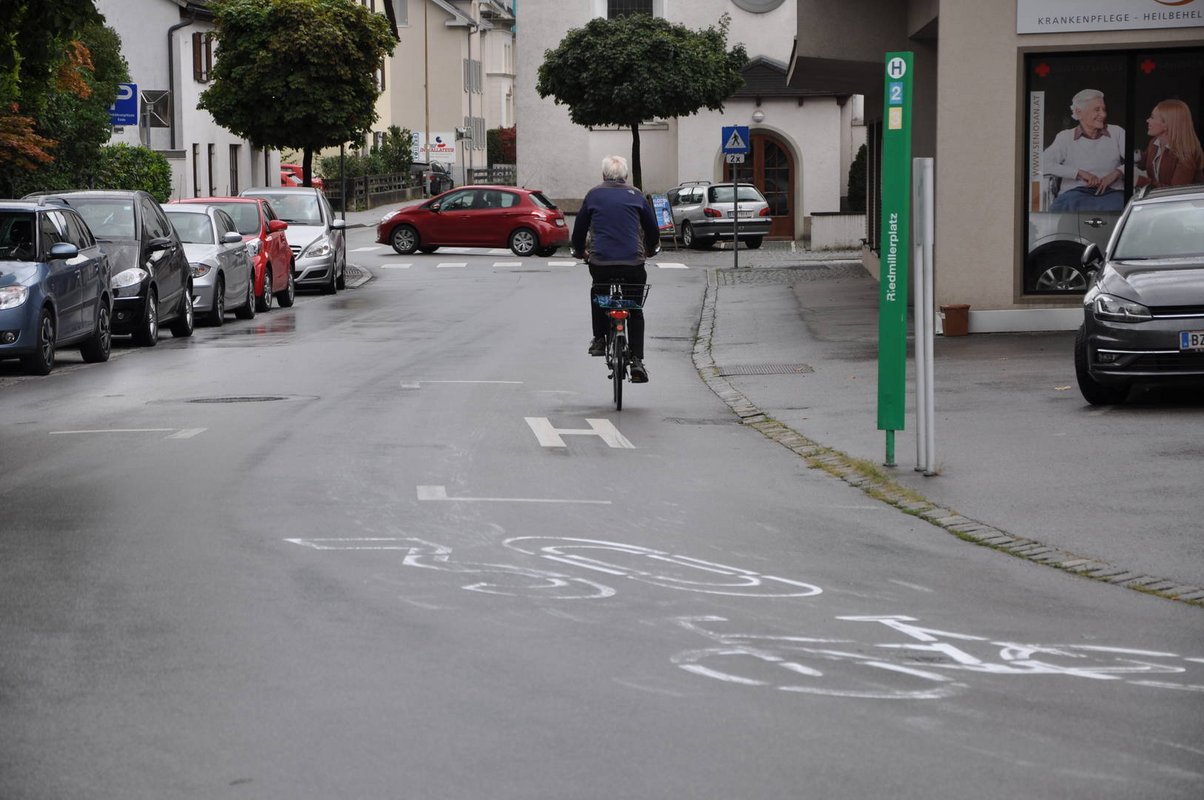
{"x": 1088, "y": 159}
{"x": 1173, "y": 156}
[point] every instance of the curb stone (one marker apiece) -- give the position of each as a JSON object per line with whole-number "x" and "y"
{"x": 840, "y": 465}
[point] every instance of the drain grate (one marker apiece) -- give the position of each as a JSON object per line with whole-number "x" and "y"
{"x": 766, "y": 369}
{"x": 245, "y": 399}
{"x": 697, "y": 421}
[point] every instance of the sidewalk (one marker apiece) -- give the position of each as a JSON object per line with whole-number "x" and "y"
{"x": 1023, "y": 463}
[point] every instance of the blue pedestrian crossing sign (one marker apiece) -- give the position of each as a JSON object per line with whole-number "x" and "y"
{"x": 735, "y": 139}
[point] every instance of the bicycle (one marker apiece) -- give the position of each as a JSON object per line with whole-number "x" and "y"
{"x": 619, "y": 300}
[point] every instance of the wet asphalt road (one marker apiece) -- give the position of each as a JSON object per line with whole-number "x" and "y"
{"x": 398, "y": 543}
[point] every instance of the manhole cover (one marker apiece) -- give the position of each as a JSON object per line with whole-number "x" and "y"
{"x": 693, "y": 421}
{"x": 245, "y": 399}
{"x": 766, "y": 369}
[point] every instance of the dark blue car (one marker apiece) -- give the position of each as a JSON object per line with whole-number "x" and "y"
{"x": 54, "y": 286}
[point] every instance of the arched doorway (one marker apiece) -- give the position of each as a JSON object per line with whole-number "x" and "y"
{"x": 769, "y": 166}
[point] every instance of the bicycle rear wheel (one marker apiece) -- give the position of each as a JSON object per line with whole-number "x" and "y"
{"x": 619, "y": 369}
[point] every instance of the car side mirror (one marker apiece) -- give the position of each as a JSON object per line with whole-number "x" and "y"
{"x": 160, "y": 243}
{"x": 231, "y": 237}
{"x": 63, "y": 250}
{"x": 277, "y": 225}
{"x": 434, "y": 207}
{"x": 1092, "y": 260}
{"x": 338, "y": 224}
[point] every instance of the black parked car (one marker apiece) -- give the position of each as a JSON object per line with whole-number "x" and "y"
{"x": 152, "y": 283}
{"x": 1143, "y": 314}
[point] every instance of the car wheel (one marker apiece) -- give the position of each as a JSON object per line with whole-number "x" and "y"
{"x": 216, "y": 315}
{"x": 332, "y": 283}
{"x": 247, "y": 310}
{"x": 264, "y": 303}
{"x": 753, "y": 242}
{"x": 1094, "y": 392}
{"x": 1057, "y": 272}
{"x": 404, "y": 239}
{"x": 547, "y": 251}
{"x": 687, "y": 236}
{"x": 524, "y": 242}
{"x": 41, "y": 360}
{"x": 97, "y": 347}
{"x": 428, "y": 248}
{"x": 288, "y": 295}
{"x": 342, "y": 280}
{"x": 147, "y": 332}
{"x": 185, "y": 322}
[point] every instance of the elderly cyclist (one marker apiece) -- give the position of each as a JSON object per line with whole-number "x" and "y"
{"x": 614, "y": 232}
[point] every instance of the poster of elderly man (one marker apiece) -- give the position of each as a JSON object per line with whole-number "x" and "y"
{"x": 1089, "y": 159}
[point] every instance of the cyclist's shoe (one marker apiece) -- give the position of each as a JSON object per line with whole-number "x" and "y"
{"x": 597, "y": 346}
{"x": 639, "y": 374}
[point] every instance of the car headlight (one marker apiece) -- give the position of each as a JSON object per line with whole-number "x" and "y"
{"x": 199, "y": 270}
{"x": 13, "y": 296}
{"x": 318, "y": 247}
{"x": 390, "y": 215}
{"x": 253, "y": 247}
{"x": 1117, "y": 309}
{"x": 129, "y": 277}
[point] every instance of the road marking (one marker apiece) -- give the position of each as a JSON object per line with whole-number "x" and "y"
{"x": 451, "y": 265}
{"x": 549, "y": 436}
{"x": 176, "y": 433}
{"x": 507, "y": 263}
{"x": 418, "y": 384}
{"x": 367, "y": 249}
{"x": 562, "y": 263}
{"x": 671, "y": 265}
{"x": 396, "y": 266}
{"x": 491, "y": 251}
{"x": 440, "y": 493}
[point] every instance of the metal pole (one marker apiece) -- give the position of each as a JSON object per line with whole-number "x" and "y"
{"x": 343, "y": 181}
{"x": 736, "y": 223}
{"x": 930, "y": 310}
{"x": 921, "y": 319}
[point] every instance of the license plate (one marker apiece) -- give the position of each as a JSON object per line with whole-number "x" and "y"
{"x": 744, "y": 214}
{"x": 1191, "y": 340}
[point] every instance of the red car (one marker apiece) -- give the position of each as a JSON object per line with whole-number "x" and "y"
{"x": 478, "y": 216}
{"x": 294, "y": 175}
{"x": 271, "y": 256}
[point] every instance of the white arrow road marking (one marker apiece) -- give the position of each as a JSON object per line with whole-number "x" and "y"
{"x": 549, "y": 436}
{"x": 440, "y": 493}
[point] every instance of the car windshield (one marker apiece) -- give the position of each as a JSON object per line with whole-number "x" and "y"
{"x": 16, "y": 236}
{"x": 724, "y": 194}
{"x": 299, "y": 209}
{"x": 1162, "y": 230}
{"x": 108, "y": 217}
{"x": 246, "y": 216}
{"x": 193, "y": 228}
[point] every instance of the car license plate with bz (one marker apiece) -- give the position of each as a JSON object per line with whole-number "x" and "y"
{"x": 1191, "y": 340}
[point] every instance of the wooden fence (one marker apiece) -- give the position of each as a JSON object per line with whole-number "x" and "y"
{"x": 370, "y": 191}
{"x": 498, "y": 174}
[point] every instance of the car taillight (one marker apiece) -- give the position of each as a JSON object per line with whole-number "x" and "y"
{"x": 765, "y": 212}
{"x": 712, "y": 212}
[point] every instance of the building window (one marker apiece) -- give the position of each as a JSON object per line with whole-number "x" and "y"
{"x": 212, "y": 153}
{"x": 401, "y": 8}
{"x": 202, "y": 56}
{"x": 234, "y": 151}
{"x": 196, "y": 170}
{"x": 624, "y": 8}
{"x": 473, "y": 81}
{"x": 379, "y": 76}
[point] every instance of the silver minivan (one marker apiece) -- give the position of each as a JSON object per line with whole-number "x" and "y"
{"x": 317, "y": 239}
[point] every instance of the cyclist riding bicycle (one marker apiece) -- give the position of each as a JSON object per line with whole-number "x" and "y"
{"x": 614, "y": 232}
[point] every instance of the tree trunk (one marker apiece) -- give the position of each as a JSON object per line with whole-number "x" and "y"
{"x": 637, "y": 174}
{"x": 307, "y": 164}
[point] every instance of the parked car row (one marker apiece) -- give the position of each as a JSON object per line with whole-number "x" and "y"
{"x": 78, "y": 267}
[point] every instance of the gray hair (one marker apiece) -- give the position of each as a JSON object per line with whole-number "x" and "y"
{"x": 614, "y": 168}
{"x": 1081, "y": 100}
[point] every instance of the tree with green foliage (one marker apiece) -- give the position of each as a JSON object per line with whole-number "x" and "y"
{"x": 122, "y": 166}
{"x": 628, "y": 70}
{"x": 296, "y": 73}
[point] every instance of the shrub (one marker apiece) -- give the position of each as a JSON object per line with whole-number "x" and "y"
{"x": 857, "y": 173}
{"x": 120, "y": 166}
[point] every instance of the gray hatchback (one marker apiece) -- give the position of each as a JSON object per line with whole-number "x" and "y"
{"x": 704, "y": 212}
{"x": 1143, "y": 314}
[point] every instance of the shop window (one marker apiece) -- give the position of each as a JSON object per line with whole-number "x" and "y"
{"x": 1096, "y": 127}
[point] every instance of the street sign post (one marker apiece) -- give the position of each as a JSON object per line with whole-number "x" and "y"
{"x": 893, "y": 250}
{"x": 124, "y": 110}
{"x": 735, "y": 144}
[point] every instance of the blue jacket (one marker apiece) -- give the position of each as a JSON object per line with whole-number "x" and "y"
{"x": 616, "y": 225}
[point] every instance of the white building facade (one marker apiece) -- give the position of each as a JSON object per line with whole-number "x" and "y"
{"x": 802, "y": 142}
{"x": 169, "y": 47}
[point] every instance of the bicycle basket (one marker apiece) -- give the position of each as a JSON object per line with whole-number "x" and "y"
{"x": 631, "y": 296}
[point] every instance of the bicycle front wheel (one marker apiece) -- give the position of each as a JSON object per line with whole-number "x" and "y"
{"x": 619, "y": 370}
